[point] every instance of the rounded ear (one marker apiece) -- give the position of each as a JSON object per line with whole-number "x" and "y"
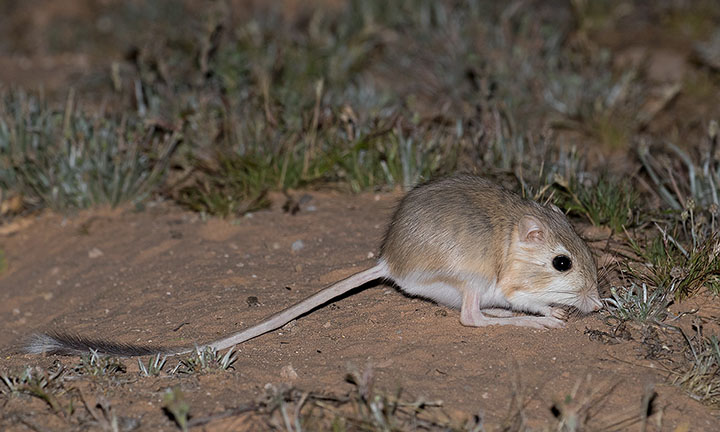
{"x": 530, "y": 230}
{"x": 555, "y": 208}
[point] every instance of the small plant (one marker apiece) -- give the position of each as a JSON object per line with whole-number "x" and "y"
{"x": 578, "y": 409}
{"x": 398, "y": 159}
{"x": 204, "y": 360}
{"x": 106, "y": 417}
{"x": 237, "y": 185}
{"x": 701, "y": 379}
{"x": 176, "y": 406}
{"x": 604, "y": 203}
{"x": 40, "y": 383}
{"x": 94, "y": 364}
{"x": 635, "y": 303}
{"x": 30, "y": 377}
{"x": 154, "y": 366}
{"x": 685, "y": 268}
{"x": 378, "y": 410}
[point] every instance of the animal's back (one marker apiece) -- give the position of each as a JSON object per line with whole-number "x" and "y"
{"x": 450, "y": 223}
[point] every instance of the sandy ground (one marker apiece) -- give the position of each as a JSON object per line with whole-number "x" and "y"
{"x": 165, "y": 276}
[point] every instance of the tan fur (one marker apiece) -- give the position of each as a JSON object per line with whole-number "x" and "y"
{"x": 470, "y": 224}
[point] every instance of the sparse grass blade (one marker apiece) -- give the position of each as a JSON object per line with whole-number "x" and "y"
{"x": 701, "y": 377}
{"x": 606, "y": 202}
{"x": 687, "y": 270}
{"x": 154, "y": 366}
{"x": 202, "y": 360}
{"x": 94, "y": 364}
{"x": 177, "y": 407}
{"x": 638, "y": 303}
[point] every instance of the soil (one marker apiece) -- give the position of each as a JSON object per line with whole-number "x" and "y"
{"x": 165, "y": 276}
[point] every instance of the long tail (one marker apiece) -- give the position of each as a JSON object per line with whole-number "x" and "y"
{"x": 61, "y": 343}
{"x": 281, "y": 318}
{"x": 69, "y": 344}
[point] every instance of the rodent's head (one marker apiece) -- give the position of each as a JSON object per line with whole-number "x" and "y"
{"x": 550, "y": 264}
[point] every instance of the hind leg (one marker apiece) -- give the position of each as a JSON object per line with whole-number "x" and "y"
{"x": 497, "y": 312}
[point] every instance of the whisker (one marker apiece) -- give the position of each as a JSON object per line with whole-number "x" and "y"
{"x": 570, "y": 292}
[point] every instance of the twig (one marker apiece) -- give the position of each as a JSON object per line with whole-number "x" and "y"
{"x": 672, "y": 240}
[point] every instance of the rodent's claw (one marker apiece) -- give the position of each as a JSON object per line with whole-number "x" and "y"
{"x": 559, "y": 313}
{"x": 542, "y": 322}
{"x": 552, "y": 322}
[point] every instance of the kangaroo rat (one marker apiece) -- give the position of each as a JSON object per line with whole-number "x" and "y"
{"x": 461, "y": 241}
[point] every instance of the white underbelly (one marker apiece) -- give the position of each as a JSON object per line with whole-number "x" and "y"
{"x": 449, "y": 289}
{"x": 440, "y": 292}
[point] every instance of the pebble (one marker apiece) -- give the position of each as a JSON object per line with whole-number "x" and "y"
{"x": 288, "y": 372}
{"x": 297, "y": 245}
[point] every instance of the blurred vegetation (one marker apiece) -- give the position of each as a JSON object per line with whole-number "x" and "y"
{"x": 368, "y": 95}
{"x": 364, "y": 95}
{"x": 607, "y": 202}
{"x": 606, "y": 108}
{"x": 64, "y": 159}
{"x": 214, "y": 107}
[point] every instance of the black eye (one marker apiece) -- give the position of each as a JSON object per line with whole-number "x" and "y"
{"x": 562, "y": 263}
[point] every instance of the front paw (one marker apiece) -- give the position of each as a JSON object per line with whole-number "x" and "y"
{"x": 538, "y": 322}
{"x": 559, "y": 313}
{"x": 552, "y": 322}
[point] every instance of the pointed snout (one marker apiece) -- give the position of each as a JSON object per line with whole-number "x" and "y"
{"x": 590, "y": 302}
